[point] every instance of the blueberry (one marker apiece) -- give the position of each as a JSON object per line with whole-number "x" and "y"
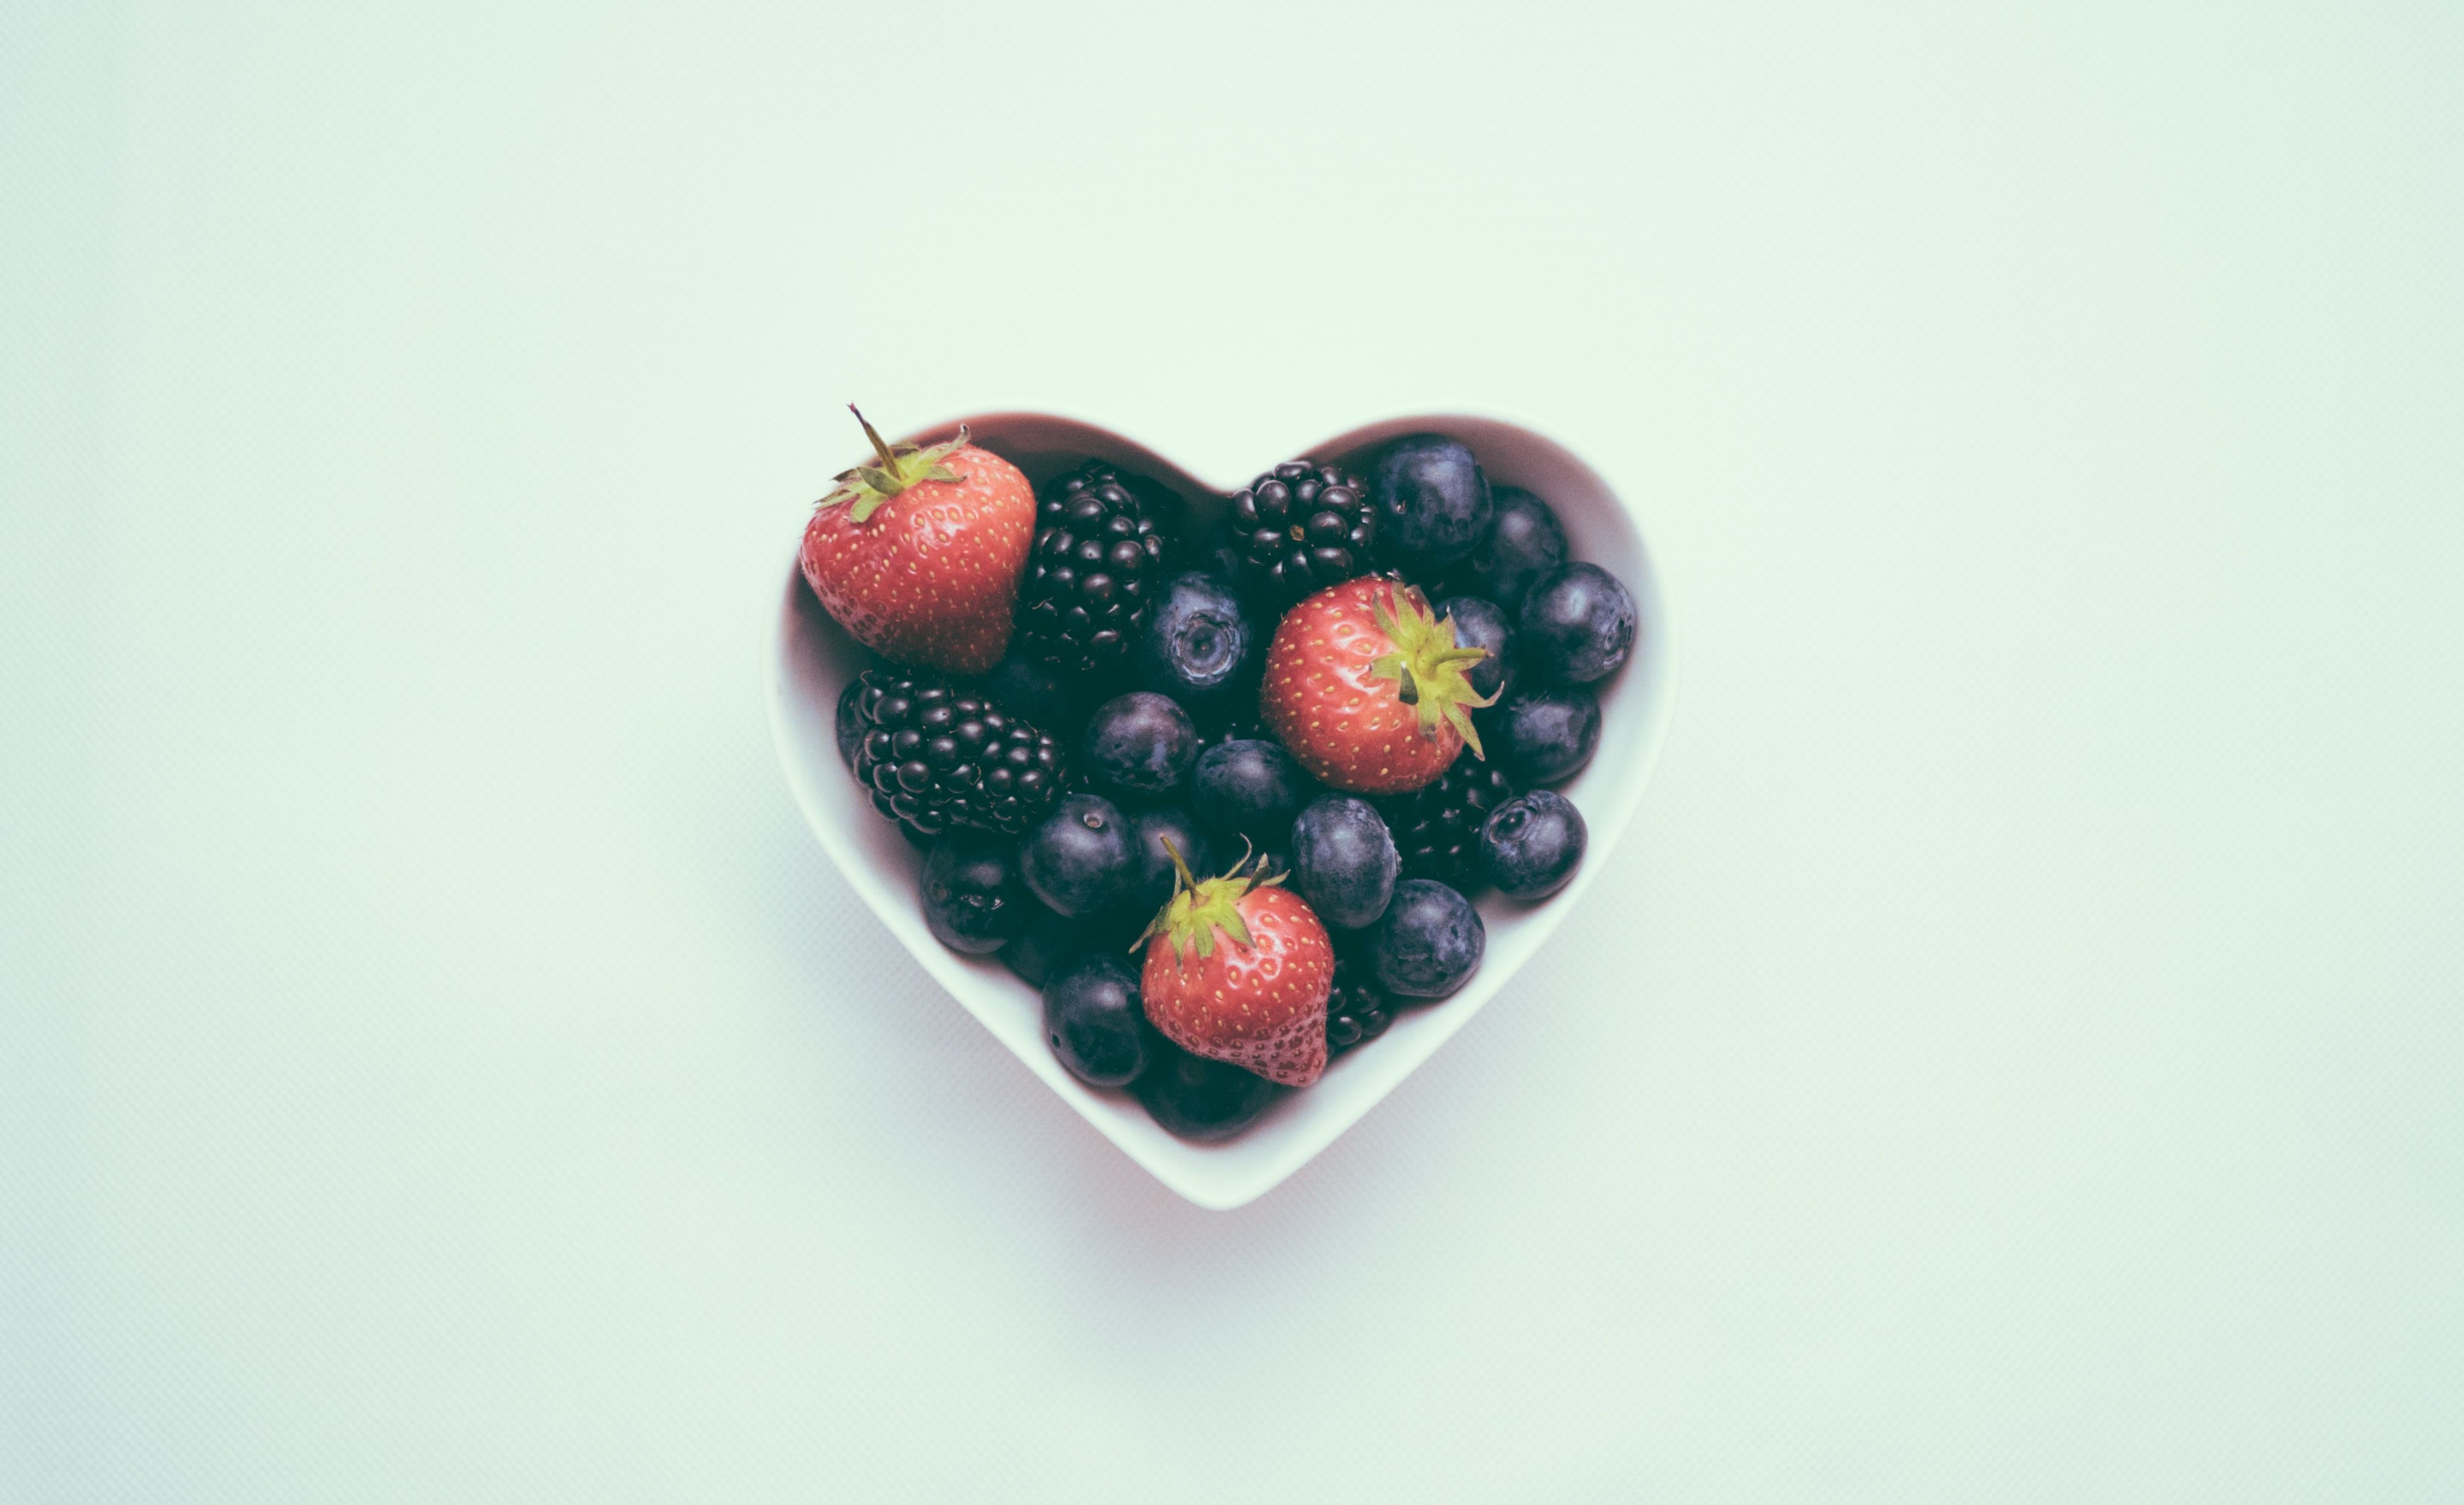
{"x": 850, "y": 727}
{"x": 1546, "y": 733}
{"x": 1053, "y": 942}
{"x": 1198, "y": 1099}
{"x": 1139, "y": 745}
{"x": 1250, "y": 787}
{"x": 1048, "y": 943}
{"x": 1526, "y": 542}
{"x": 1429, "y": 941}
{"x": 974, "y": 900}
{"x": 1219, "y": 553}
{"x": 1344, "y": 860}
{"x": 1092, "y": 1017}
{"x": 1481, "y": 623}
{"x": 1079, "y": 859}
{"x": 1577, "y": 624}
{"x": 1149, "y": 829}
{"x": 1048, "y": 698}
{"x": 1200, "y": 645}
{"x": 1433, "y": 502}
{"x": 1533, "y": 844}
{"x": 1119, "y": 931}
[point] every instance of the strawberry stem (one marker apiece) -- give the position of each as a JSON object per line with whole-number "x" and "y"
{"x": 1179, "y": 864}
{"x": 1201, "y": 907}
{"x": 889, "y": 461}
{"x": 869, "y": 486}
{"x": 1426, "y": 665}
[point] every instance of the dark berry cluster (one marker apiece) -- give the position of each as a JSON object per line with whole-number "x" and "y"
{"x": 1095, "y": 555}
{"x": 1300, "y": 528}
{"x": 1355, "y": 1010}
{"x": 1437, "y": 827}
{"x": 935, "y": 756}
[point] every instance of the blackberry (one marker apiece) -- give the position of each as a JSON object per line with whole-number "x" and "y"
{"x": 936, "y": 757}
{"x": 1097, "y": 552}
{"x": 1355, "y": 1010}
{"x": 1300, "y": 528}
{"x": 1437, "y": 829}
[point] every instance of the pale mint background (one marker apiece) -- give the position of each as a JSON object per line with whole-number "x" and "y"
{"x": 2015, "y": 1057}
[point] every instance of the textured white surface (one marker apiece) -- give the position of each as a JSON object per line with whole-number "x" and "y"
{"x": 2014, "y": 1055}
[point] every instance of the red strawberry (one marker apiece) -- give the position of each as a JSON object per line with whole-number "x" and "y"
{"x": 1366, "y": 687}
{"x": 1255, "y": 994}
{"x": 919, "y": 557}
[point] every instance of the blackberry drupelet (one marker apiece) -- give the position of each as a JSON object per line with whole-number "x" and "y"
{"x": 1355, "y": 1010}
{"x": 1097, "y": 552}
{"x": 1300, "y": 528}
{"x": 935, "y": 756}
{"x": 1437, "y": 827}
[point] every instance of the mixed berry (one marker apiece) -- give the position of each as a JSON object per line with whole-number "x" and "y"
{"x": 1221, "y": 789}
{"x": 1300, "y": 528}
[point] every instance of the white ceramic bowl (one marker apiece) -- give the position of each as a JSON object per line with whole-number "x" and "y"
{"x": 811, "y": 661}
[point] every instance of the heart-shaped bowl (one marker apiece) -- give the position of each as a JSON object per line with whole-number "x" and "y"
{"x": 811, "y": 660}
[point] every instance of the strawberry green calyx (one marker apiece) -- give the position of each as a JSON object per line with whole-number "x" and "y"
{"x": 1199, "y": 907}
{"x": 901, "y": 466}
{"x": 1427, "y": 667}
